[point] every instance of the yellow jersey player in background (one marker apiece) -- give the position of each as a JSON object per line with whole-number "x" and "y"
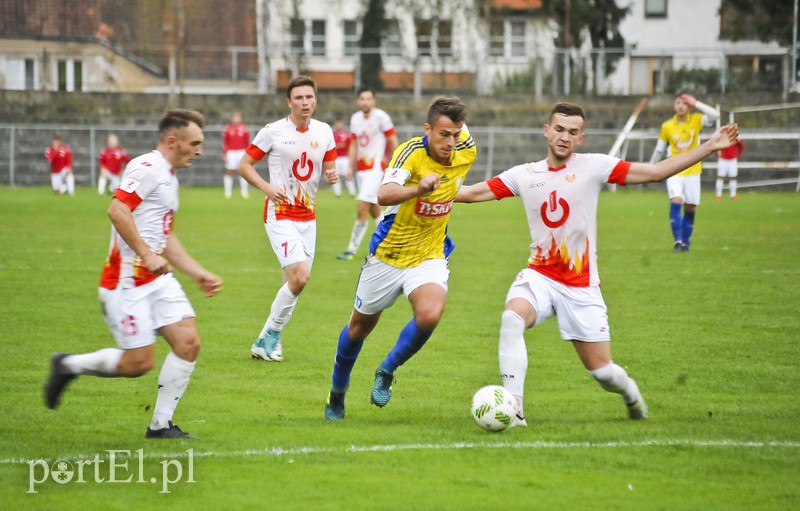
{"x": 409, "y": 249}
{"x": 682, "y": 133}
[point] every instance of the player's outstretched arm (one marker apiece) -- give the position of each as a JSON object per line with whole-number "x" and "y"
{"x": 650, "y": 172}
{"x": 479, "y": 192}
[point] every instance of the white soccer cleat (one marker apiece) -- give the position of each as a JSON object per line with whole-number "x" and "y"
{"x": 268, "y": 348}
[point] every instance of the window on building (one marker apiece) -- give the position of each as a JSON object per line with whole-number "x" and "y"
{"x": 352, "y": 36}
{"x": 425, "y": 38}
{"x": 517, "y": 38}
{"x": 434, "y": 38}
{"x": 497, "y": 42}
{"x": 297, "y": 33}
{"x": 507, "y": 38}
{"x": 69, "y": 75}
{"x": 655, "y": 8}
{"x": 21, "y": 74}
{"x": 318, "y": 38}
{"x": 444, "y": 38}
{"x": 392, "y": 42}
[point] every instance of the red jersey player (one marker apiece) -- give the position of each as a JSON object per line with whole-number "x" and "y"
{"x": 235, "y": 140}
{"x": 344, "y": 139}
{"x": 728, "y": 166}
{"x": 112, "y": 162}
{"x": 60, "y": 158}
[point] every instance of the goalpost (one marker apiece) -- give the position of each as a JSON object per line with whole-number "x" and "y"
{"x": 761, "y": 136}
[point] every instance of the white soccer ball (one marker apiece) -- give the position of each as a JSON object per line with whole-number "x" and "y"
{"x": 493, "y": 408}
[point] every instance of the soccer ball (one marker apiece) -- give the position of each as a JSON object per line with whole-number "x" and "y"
{"x": 493, "y": 408}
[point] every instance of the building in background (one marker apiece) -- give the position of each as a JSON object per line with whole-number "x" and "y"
{"x": 213, "y": 46}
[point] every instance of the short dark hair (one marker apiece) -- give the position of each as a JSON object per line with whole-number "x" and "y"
{"x": 300, "y": 81}
{"x": 366, "y": 89}
{"x": 177, "y": 119}
{"x": 567, "y": 108}
{"x": 451, "y": 107}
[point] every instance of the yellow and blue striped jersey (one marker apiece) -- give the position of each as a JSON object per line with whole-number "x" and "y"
{"x": 682, "y": 137}
{"x": 416, "y": 230}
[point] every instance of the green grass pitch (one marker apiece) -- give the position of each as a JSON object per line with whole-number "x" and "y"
{"x": 710, "y": 335}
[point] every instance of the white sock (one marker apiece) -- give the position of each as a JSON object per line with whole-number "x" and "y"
{"x": 243, "y": 187}
{"x": 281, "y": 310}
{"x": 513, "y": 355}
{"x": 71, "y": 183}
{"x": 99, "y": 363}
{"x": 172, "y": 382}
{"x": 718, "y": 187}
{"x": 337, "y": 188}
{"x": 351, "y": 186}
{"x": 359, "y": 229}
{"x": 732, "y": 184}
{"x": 227, "y": 183}
{"x": 614, "y": 379}
{"x": 101, "y": 185}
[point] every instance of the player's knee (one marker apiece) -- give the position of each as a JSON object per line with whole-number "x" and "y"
{"x": 136, "y": 363}
{"x": 189, "y": 349}
{"x": 429, "y": 318}
{"x": 512, "y": 322}
{"x": 299, "y": 281}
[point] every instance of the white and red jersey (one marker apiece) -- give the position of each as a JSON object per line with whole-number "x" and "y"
{"x": 561, "y": 205}
{"x": 114, "y": 159}
{"x": 371, "y": 133}
{"x": 343, "y": 140}
{"x": 59, "y": 159}
{"x": 294, "y": 158}
{"x": 235, "y": 137}
{"x": 150, "y": 189}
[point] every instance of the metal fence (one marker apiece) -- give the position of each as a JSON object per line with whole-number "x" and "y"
{"x": 770, "y": 158}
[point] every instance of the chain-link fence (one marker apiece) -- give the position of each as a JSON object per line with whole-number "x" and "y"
{"x": 768, "y": 155}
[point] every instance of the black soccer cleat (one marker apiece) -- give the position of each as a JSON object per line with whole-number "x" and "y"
{"x": 334, "y": 409}
{"x": 57, "y": 381}
{"x": 171, "y": 431}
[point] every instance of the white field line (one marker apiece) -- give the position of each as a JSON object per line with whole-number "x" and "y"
{"x": 294, "y": 451}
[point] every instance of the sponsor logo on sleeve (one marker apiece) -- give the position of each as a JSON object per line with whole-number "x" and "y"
{"x": 129, "y": 185}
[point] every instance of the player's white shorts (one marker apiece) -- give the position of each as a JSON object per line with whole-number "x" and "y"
{"x": 134, "y": 315}
{"x": 342, "y": 165}
{"x": 685, "y": 187}
{"x": 581, "y": 311}
{"x": 292, "y": 241}
{"x": 57, "y": 180}
{"x": 232, "y": 158}
{"x": 368, "y": 182}
{"x": 380, "y": 284}
{"x": 113, "y": 181}
{"x": 727, "y": 168}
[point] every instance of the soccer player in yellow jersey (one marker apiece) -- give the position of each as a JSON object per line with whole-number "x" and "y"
{"x": 409, "y": 249}
{"x": 682, "y": 133}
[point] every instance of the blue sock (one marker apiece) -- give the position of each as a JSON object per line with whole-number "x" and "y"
{"x": 411, "y": 339}
{"x": 346, "y": 354}
{"x": 675, "y": 220}
{"x": 687, "y": 227}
